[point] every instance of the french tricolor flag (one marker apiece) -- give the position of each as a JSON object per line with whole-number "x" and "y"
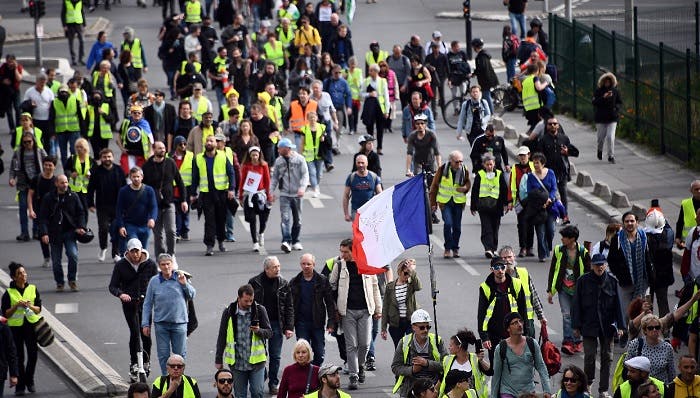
{"x": 388, "y": 224}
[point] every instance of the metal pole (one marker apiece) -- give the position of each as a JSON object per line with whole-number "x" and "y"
{"x": 688, "y": 107}
{"x": 614, "y": 53}
{"x": 467, "y": 11}
{"x": 568, "y": 10}
{"x": 662, "y": 99}
{"x": 37, "y": 43}
{"x": 429, "y": 229}
{"x": 636, "y": 71}
{"x": 629, "y": 19}
{"x": 573, "y": 67}
{"x": 697, "y": 37}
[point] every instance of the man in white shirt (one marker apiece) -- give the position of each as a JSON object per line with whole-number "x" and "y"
{"x": 42, "y": 98}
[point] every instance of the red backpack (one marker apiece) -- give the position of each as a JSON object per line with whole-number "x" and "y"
{"x": 550, "y": 352}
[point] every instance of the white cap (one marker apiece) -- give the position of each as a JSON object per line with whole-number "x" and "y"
{"x": 134, "y": 243}
{"x": 523, "y": 150}
{"x": 420, "y": 316}
{"x": 640, "y": 363}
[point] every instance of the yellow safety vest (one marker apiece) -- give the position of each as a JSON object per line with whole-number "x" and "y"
{"x": 202, "y": 106}
{"x": 206, "y": 132}
{"x": 693, "y": 311}
{"x": 219, "y": 170}
{"x": 531, "y": 100}
{"x": 197, "y": 66}
{"x": 311, "y": 146}
{"x": 145, "y": 143}
{"x": 257, "y": 347}
{"x": 66, "y": 115}
{"x": 17, "y": 319}
{"x": 136, "y": 49}
{"x": 225, "y": 108}
{"x": 317, "y": 394}
{"x": 54, "y": 86}
{"x": 74, "y": 13}
{"x": 406, "y": 341}
{"x": 285, "y": 38}
{"x": 80, "y": 182}
{"x": 161, "y": 384}
{"x": 369, "y": 57}
{"x": 481, "y": 387}
{"x": 106, "y": 89}
{"x": 524, "y": 277}
{"x": 558, "y": 254}
{"x": 513, "y": 183}
{"x": 355, "y": 82}
{"x": 489, "y": 186}
{"x": 274, "y": 54}
{"x": 228, "y": 152}
{"x": 626, "y": 387}
{"x": 37, "y": 136}
{"x": 186, "y": 169}
{"x": 381, "y": 85}
{"x": 193, "y": 12}
{"x": 105, "y": 128}
{"x": 517, "y": 286}
{"x": 448, "y": 189}
{"x": 274, "y": 111}
{"x": 688, "y": 216}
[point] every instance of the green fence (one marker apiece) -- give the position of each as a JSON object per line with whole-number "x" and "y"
{"x": 660, "y": 86}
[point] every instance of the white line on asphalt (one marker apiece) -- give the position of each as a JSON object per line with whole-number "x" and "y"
{"x": 465, "y": 266}
{"x": 66, "y": 308}
{"x": 246, "y": 226}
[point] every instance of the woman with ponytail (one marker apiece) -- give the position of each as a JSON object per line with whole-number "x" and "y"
{"x": 474, "y": 363}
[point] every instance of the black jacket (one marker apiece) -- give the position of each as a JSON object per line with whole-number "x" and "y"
{"x": 323, "y": 303}
{"x": 8, "y": 353}
{"x": 258, "y": 313}
{"x": 285, "y": 308}
{"x": 550, "y": 145}
{"x": 502, "y": 194}
{"x": 104, "y": 186}
{"x": 482, "y": 145}
{"x": 606, "y": 109}
{"x": 495, "y": 326}
{"x": 618, "y": 264}
{"x": 484, "y": 72}
{"x": 161, "y": 176}
{"x": 134, "y": 282}
{"x": 169, "y": 116}
{"x": 59, "y": 214}
{"x": 597, "y": 310}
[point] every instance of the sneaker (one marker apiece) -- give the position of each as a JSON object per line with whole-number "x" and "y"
{"x": 611, "y": 160}
{"x": 345, "y": 368}
{"x": 23, "y": 238}
{"x": 185, "y": 236}
{"x": 286, "y": 247}
{"x": 361, "y": 375}
{"x": 336, "y": 151}
{"x": 488, "y": 254}
{"x": 529, "y": 253}
{"x": 273, "y": 390}
{"x": 222, "y": 248}
{"x": 134, "y": 373}
{"x": 447, "y": 254}
{"x": 261, "y": 239}
{"x": 455, "y": 253}
{"x": 523, "y": 252}
{"x": 19, "y": 393}
{"x": 31, "y": 388}
{"x": 116, "y": 258}
{"x": 353, "y": 382}
{"x": 230, "y": 239}
{"x": 435, "y": 218}
{"x": 297, "y": 246}
{"x": 101, "y": 255}
{"x": 256, "y": 247}
{"x": 600, "y": 155}
{"x": 578, "y": 347}
{"x": 604, "y": 394}
{"x": 73, "y": 286}
{"x": 568, "y": 348}
{"x": 59, "y": 288}
{"x": 210, "y": 251}
{"x": 46, "y": 263}
{"x": 317, "y": 192}
{"x": 147, "y": 368}
{"x": 330, "y": 167}
{"x": 370, "y": 365}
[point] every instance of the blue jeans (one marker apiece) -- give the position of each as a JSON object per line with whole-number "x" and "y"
{"x": 67, "y": 241}
{"x": 290, "y": 209}
{"x": 315, "y": 336}
{"x": 510, "y": 68}
{"x": 251, "y": 379}
{"x": 315, "y": 172}
{"x": 22, "y": 197}
{"x": 255, "y": 11}
{"x": 169, "y": 334}
{"x": 518, "y": 19}
{"x": 182, "y": 221}
{"x": 452, "y": 230}
{"x": 375, "y": 332}
{"x": 274, "y": 347}
{"x": 65, "y": 140}
{"x": 486, "y": 94}
{"x": 545, "y": 235}
{"x": 170, "y": 78}
{"x": 12, "y": 114}
{"x": 566, "y": 301}
{"x": 142, "y": 233}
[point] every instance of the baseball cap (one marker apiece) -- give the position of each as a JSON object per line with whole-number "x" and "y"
{"x": 598, "y": 259}
{"x": 523, "y": 150}
{"x": 64, "y": 87}
{"x": 220, "y": 137}
{"x": 26, "y": 114}
{"x": 328, "y": 369}
{"x": 286, "y": 143}
{"x": 437, "y": 34}
{"x": 641, "y": 363}
{"x": 498, "y": 261}
{"x": 420, "y": 316}
{"x": 365, "y": 138}
{"x": 136, "y": 108}
{"x": 159, "y": 92}
{"x": 133, "y": 243}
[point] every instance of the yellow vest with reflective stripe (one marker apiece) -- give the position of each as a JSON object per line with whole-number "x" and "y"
{"x": 193, "y": 12}
{"x": 17, "y": 319}
{"x": 381, "y": 85}
{"x": 688, "y": 216}
{"x": 341, "y": 394}
{"x": 225, "y": 108}
{"x": 80, "y": 182}
{"x": 355, "y": 82}
{"x": 202, "y": 106}
{"x": 517, "y": 286}
{"x": 66, "y": 115}
{"x": 145, "y": 143}
{"x": 37, "y": 136}
{"x": 285, "y": 38}
{"x": 558, "y": 254}
{"x": 406, "y": 341}
{"x": 489, "y": 187}
{"x": 186, "y": 169}
{"x": 531, "y": 100}
{"x": 136, "y": 49}
{"x": 257, "y": 347}
{"x": 274, "y": 54}
{"x": 311, "y": 146}
{"x": 693, "y": 311}
{"x": 274, "y": 111}
{"x": 54, "y": 86}
{"x": 105, "y": 128}
{"x": 197, "y": 66}
{"x": 513, "y": 183}
{"x": 161, "y": 384}
{"x": 219, "y": 170}
{"x": 524, "y": 277}
{"x": 228, "y": 152}
{"x": 381, "y": 56}
{"x": 448, "y": 189}
{"x": 626, "y": 387}
{"x": 481, "y": 387}
{"x": 74, "y": 13}
{"x": 106, "y": 89}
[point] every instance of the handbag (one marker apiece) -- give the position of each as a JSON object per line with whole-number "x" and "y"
{"x": 44, "y": 333}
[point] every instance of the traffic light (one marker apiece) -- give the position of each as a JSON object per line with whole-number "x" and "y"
{"x": 466, "y": 8}
{"x": 32, "y": 8}
{"x": 41, "y": 8}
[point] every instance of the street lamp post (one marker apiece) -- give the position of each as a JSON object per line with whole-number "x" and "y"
{"x": 466, "y": 8}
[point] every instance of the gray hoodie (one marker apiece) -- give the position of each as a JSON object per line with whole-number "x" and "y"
{"x": 290, "y": 174}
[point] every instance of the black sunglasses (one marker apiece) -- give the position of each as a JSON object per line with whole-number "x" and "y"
{"x": 176, "y": 365}
{"x": 225, "y": 381}
{"x": 498, "y": 267}
{"x": 423, "y": 327}
{"x": 656, "y": 327}
{"x": 569, "y": 380}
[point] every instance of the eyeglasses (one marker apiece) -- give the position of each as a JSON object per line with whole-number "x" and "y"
{"x": 176, "y": 365}
{"x": 423, "y": 327}
{"x": 655, "y": 327}
{"x": 498, "y": 267}
{"x": 569, "y": 380}
{"x": 225, "y": 381}
{"x": 197, "y": 89}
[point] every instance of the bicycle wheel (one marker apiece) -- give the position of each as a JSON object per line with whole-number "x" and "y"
{"x": 450, "y": 112}
{"x": 497, "y": 96}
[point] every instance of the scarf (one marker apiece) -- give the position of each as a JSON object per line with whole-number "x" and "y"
{"x": 457, "y": 176}
{"x": 636, "y": 268}
{"x": 159, "y": 115}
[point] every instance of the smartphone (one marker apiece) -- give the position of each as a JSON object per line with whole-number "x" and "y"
{"x": 479, "y": 346}
{"x": 255, "y": 323}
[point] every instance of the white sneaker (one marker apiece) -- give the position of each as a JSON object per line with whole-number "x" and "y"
{"x": 116, "y": 258}
{"x": 174, "y": 262}
{"x": 297, "y": 246}
{"x": 256, "y": 247}
{"x": 261, "y": 239}
{"x": 46, "y": 263}
{"x": 101, "y": 255}
{"x": 285, "y": 247}
{"x": 317, "y": 192}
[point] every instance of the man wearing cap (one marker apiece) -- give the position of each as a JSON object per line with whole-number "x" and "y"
{"x": 138, "y": 54}
{"x": 515, "y": 361}
{"x": 41, "y": 98}
{"x": 366, "y": 143}
{"x": 499, "y": 295}
{"x": 526, "y": 232}
{"x": 129, "y": 281}
{"x": 199, "y": 133}
{"x": 449, "y": 192}
{"x": 416, "y": 107}
{"x": 329, "y": 377}
{"x": 360, "y": 186}
{"x": 214, "y": 177}
{"x": 161, "y": 117}
{"x": 418, "y": 355}
{"x": 184, "y": 162}
{"x": 73, "y": 21}
{"x": 491, "y": 143}
{"x": 638, "y": 369}
{"x": 135, "y": 140}
{"x": 436, "y": 39}
{"x": 67, "y": 116}
{"x": 162, "y": 174}
{"x": 596, "y": 315}
{"x": 290, "y": 176}
{"x": 103, "y": 189}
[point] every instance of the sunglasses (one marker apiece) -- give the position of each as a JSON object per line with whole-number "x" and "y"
{"x": 656, "y": 327}
{"x": 423, "y": 327}
{"x": 176, "y": 365}
{"x": 498, "y": 267}
{"x": 569, "y": 380}
{"x": 225, "y": 381}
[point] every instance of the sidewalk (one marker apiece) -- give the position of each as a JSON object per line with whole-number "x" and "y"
{"x": 20, "y": 30}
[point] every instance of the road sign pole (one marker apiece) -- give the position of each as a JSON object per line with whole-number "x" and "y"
{"x": 37, "y": 43}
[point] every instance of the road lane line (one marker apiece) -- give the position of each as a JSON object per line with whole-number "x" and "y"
{"x": 465, "y": 266}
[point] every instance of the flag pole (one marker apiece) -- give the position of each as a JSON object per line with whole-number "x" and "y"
{"x": 429, "y": 229}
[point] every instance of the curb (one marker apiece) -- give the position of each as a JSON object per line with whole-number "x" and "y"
{"x": 91, "y": 30}
{"x": 503, "y": 17}
{"x": 78, "y": 362}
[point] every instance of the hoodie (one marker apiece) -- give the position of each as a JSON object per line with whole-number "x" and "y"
{"x": 132, "y": 278}
{"x": 679, "y": 389}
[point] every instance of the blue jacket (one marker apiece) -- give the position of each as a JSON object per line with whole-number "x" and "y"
{"x": 136, "y": 213}
{"x": 407, "y": 119}
{"x": 96, "y": 53}
{"x": 166, "y": 300}
{"x": 339, "y": 90}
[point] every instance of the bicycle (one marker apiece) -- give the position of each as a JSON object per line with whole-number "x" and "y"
{"x": 450, "y": 109}
{"x": 506, "y": 97}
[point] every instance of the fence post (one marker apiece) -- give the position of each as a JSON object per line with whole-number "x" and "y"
{"x": 662, "y": 99}
{"x": 636, "y": 74}
{"x": 614, "y": 53}
{"x": 573, "y": 67}
{"x": 697, "y": 34}
{"x": 594, "y": 29}
{"x": 688, "y": 107}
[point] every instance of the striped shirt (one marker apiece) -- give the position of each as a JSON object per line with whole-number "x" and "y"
{"x": 401, "y": 291}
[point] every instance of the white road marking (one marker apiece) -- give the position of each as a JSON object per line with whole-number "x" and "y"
{"x": 66, "y": 308}
{"x": 465, "y": 266}
{"x": 246, "y": 226}
{"x": 316, "y": 203}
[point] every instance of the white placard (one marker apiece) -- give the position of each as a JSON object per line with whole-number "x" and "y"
{"x": 252, "y": 181}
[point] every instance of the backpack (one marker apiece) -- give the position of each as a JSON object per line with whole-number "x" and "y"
{"x": 550, "y": 353}
{"x": 551, "y": 70}
{"x": 620, "y": 374}
{"x": 510, "y": 47}
{"x": 502, "y": 345}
